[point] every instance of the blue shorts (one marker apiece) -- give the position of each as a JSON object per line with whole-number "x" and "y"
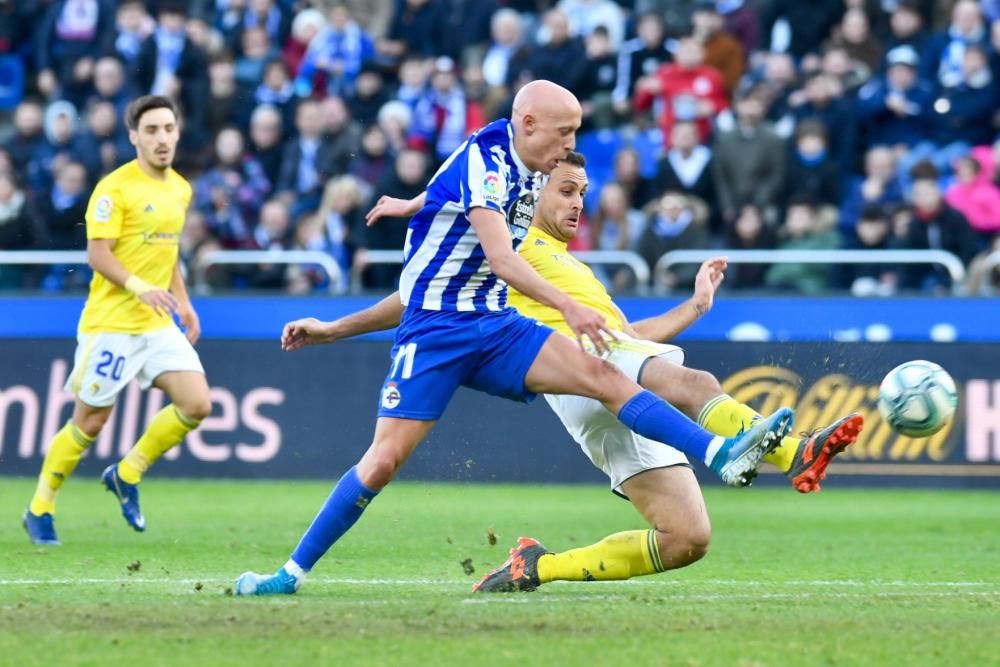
{"x": 438, "y": 351}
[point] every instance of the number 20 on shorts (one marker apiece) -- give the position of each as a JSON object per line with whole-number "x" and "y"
{"x": 115, "y": 364}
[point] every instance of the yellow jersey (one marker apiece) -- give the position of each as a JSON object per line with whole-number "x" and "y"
{"x": 145, "y": 216}
{"x": 553, "y": 262}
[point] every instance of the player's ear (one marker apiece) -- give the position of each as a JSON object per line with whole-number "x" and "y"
{"x": 530, "y": 124}
{"x": 133, "y": 137}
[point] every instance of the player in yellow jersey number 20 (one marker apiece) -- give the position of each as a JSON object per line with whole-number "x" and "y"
{"x": 134, "y": 221}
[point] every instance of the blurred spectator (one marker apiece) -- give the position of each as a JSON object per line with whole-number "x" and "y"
{"x": 722, "y": 50}
{"x": 370, "y": 95}
{"x": 267, "y": 15}
{"x": 134, "y": 25}
{"x": 598, "y": 80}
{"x": 850, "y": 74}
{"x": 61, "y": 121}
{"x": 749, "y": 232}
{"x": 307, "y": 24}
{"x": 640, "y": 57}
{"x": 507, "y": 46}
{"x": 308, "y": 235}
{"x": 676, "y": 13}
{"x": 617, "y": 224}
{"x": 945, "y": 53}
{"x": 934, "y": 225}
{"x": 561, "y": 58}
{"x": 340, "y": 132}
{"x": 232, "y": 191}
{"x": 372, "y": 163}
{"x": 741, "y": 22}
{"x": 854, "y": 35}
{"x": 266, "y": 132}
{"x": 674, "y": 222}
{"x": 394, "y": 118}
{"x": 103, "y": 145}
{"x": 687, "y": 166}
{"x": 170, "y": 64}
{"x": 749, "y": 161}
{"x": 20, "y": 229}
{"x": 307, "y": 160}
{"x": 821, "y": 99}
{"x": 407, "y": 179}
{"x": 812, "y": 170}
{"x": 273, "y": 232}
{"x": 443, "y": 117}
{"x": 343, "y": 218}
{"x": 878, "y": 186}
{"x": 587, "y": 15}
{"x": 336, "y": 54}
{"x": 256, "y": 51}
{"x": 63, "y": 208}
{"x": 690, "y": 90}
{"x": 110, "y": 83}
{"x": 465, "y": 33}
{"x": 803, "y": 230}
{"x": 894, "y": 109}
{"x": 71, "y": 35}
{"x": 640, "y": 190}
{"x": 415, "y": 30}
{"x": 975, "y": 196}
{"x": 907, "y": 27}
{"x": 872, "y": 231}
{"x": 799, "y": 27}
{"x": 277, "y": 91}
{"x": 226, "y": 100}
{"x": 29, "y": 135}
{"x": 414, "y": 75}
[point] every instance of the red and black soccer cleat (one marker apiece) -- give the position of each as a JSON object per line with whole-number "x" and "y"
{"x": 519, "y": 573}
{"x": 817, "y": 450}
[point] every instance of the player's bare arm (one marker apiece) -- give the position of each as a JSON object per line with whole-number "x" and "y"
{"x": 101, "y": 257}
{"x": 391, "y": 207}
{"x": 386, "y": 314}
{"x": 669, "y": 325}
{"x": 491, "y": 228}
{"x": 185, "y": 310}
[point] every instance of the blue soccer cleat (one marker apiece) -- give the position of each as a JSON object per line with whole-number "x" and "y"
{"x": 41, "y": 529}
{"x": 128, "y": 496}
{"x": 279, "y": 583}
{"x": 737, "y": 460}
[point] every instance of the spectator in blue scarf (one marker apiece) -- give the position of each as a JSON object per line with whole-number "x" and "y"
{"x": 337, "y": 53}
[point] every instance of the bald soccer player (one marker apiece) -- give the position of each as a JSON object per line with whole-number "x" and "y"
{"x": 456, "y": 329}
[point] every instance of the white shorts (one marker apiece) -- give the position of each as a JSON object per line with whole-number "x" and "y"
{"x": 105, "y": 362}
{"x": 608, "y": 443}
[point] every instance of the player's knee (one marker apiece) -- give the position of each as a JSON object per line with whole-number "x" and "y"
{"x": 705, "y": 381}
{"x": 379, "y": 466}
{"x": 92, "y": 424}
{"x": 683, "y": 547}
{"x": 196, "y": 409}
{"x": 603, "y": 380}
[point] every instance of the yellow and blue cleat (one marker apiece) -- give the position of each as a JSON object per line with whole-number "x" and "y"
{"x": 41, "y": 528}
{"x": 280, "y": 583}
{"x": 128, "y": 497}
{"x": 737, "y": 460}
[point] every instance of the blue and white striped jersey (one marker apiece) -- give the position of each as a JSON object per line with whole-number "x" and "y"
{"x": 445, "y": 267}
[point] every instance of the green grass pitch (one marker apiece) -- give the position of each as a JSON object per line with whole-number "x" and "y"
{"x": 845, "y": 577}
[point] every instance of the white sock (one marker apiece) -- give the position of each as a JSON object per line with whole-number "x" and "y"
{"x": 713, "y": 449}
{"x": 292, "y": 568}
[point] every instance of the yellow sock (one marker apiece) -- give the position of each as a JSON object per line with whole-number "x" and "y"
{"x": 166, "y": 430}
{"x": 64, "y": 453}
{"x": 619, "y": 556}
{"x": 723, "y": 415}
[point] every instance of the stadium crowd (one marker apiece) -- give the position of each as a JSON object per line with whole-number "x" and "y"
{"x": 739, "y": 124}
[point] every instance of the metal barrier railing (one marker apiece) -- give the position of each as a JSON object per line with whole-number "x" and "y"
{"x": 950, "y": 262}
{"x": 990, "y": 262}
{"x": 42, "y": 257}
{"x": 229, "y": 257}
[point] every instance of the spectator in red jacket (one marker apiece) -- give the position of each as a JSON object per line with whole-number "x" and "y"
{"x": 690, "y": 89}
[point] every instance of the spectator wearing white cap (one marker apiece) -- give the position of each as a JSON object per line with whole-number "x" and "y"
{"x": 895, "y": 108}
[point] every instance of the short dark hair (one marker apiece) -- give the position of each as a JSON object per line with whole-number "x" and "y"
{"x": 801, "y": 199}
{"x": 874, "y": 212}
{"x": 576, "y": 159}
{"x": 139, "y": 106}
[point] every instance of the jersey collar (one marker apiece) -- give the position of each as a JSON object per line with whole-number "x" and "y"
{"x": 522, "y": 169}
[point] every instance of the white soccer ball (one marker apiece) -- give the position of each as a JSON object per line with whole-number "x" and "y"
{"x": 917, "y": 398}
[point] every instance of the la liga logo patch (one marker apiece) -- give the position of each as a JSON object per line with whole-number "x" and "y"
{"x": 103, "y": 208}
{"x": 491, "y": 186}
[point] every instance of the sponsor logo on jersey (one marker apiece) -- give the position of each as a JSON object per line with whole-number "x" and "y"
{"x": 103, "y": 208}
{"x": 148, "y": 209}
{"x": 519, "y": 216}
{"x": 161, "y": 238}
{"x": 390, "y": 396}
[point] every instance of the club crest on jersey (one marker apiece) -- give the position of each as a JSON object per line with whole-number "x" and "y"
{"x": 103, "y": 208}
{"x": 492, "y": 190}
{"x": 520, "y": 215}
{"x": 390, "y": 396}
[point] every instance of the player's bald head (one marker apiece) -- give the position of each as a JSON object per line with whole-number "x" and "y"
{"x": 546, "y": 117}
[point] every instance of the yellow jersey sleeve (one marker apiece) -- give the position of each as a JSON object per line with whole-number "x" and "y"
{"x": 105, "y": 211}
{"x": 553, "y": 262}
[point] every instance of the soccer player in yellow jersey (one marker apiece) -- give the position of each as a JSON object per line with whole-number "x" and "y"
{"x": 656, "y": 479}
{"x": 134, "y": 221}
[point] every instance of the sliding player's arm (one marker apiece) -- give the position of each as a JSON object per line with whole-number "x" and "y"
{"x": 491, "y": 228}
{"x": 385, "y": 314}
{"x": 390, "y": 207}
{"x": 101, "y": 257}
{"x": 185, "y": 310}
{"x": 669, "y": 325}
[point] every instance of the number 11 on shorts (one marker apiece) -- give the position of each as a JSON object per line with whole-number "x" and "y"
{"x": 404, "y": 357}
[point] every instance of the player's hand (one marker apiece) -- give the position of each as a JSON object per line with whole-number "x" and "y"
{"x": 190, "y": 322}
{"x": 307, "y": 331}
{"x": 161, "y": 301}
{"x": 389, "y": 207}
{"x": 588, "y": 323}
{"x": 706, "y": 283}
